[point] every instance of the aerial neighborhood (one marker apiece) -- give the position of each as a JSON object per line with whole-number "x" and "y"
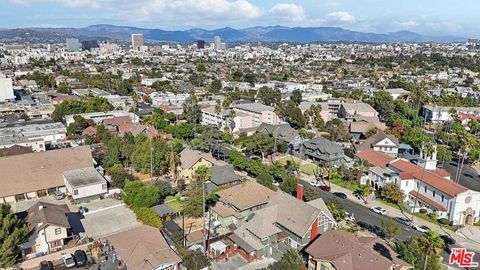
{"x": 159, "y": 155}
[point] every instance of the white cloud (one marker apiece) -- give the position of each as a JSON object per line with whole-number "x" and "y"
{"x": 406, "y": 24}
{"x": 340, "y": 17}
{"x": 444, "y": 26}
{"x": 288, "y": 13}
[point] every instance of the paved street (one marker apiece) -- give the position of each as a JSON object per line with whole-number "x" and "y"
{"x": 469, "y": 177}
{"x": 363, "y": 213}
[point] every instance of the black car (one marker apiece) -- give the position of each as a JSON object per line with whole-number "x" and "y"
{"x": 365, "y": 225}
{"x": 448, "y": 240}
{"x": 80, "y": 257}
{"x": 45, "y": 265}
{"x": 340, "y": 195}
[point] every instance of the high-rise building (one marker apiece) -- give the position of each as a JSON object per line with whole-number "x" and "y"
{"x": 73, "y": 45}
{"x": 200, "y": 44}
{"x": 87, "y": 45}
{"x": 137, "y": 41}
{"x": 217, "y": 43}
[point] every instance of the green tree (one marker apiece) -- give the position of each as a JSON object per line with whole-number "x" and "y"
{"x": 392, "y": 193}
{"x": 390, "y": 228}
{"x": 76, "y": 128}
{"x": 336, "y": 209}
{"x": 310, "y": 194}
{"x": 364, "y": 191}
{"x": 269, "y": 96}
{"x": 216, "y": 86}
{"x": 289, "y": 184}
{"x": 201, "y": 67}
{"x": 265, "y": 179}
{"x": 431, "y": 245}
{"x": 84, "y": 105}
{"x": 195, "y": 260}
{"x": 382, "y": 101}
{"x": 337, "y": 130}
{"x": 290, "y": 112}
{"x": 113, "y": 154}
{"x": 137, "y": 194}
{"x": 118, "y": 175}
{"x": 191, "y": 110}
{"x": 165, "y": 189}
{"x": 260, "y": 142}
{"x": 290, "y": 260}
{"x": 64, "y": 88}
{"x": 148, "y": 217}
{"x": 296, "y": 96}
{"x": 12, "y": 232}
{"x": 444, "y": 154}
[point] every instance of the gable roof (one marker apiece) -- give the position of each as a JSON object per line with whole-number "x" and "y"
{"x": 40, "y": 171}
{"x": 448, "y": 187}
{"x": 281, "y": 131}
{"x": 222, "y": 175}
{"x": 189, "y": 157}
{"x": 375, "y": 139}
{"x": 323, "y": 145}
{"x": 246, "y": 195}
{"x": 143, "y": 247}
{"x": 378, "y": 159}
{"x": 347, "y": 252}
{"x": 43, "y": 214}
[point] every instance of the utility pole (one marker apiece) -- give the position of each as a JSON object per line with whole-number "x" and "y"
{"x": 203, "y": 217}
{"x": 151, "y": 158}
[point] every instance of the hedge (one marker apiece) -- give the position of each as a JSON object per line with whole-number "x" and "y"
{"x": 148, "y": 217}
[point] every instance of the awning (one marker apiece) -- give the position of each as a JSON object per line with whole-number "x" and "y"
{"x": 241, "y": 243}
{"x": 428, "y": 201}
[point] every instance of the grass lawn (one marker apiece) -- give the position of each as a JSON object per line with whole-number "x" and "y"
{"x": 175, "y": 203}
{"x": 309, "y": 168}
{"x": 340, "y": 182}
{"x": 283, "y": 160}
{"x": 394, "y": 205}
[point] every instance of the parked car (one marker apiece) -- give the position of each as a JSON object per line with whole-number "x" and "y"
{"x": 80, "y": 257}
{"x": 59, "y": 195}
{"x": 68, "y": 261}
{"x": 314, "y": 183}
{"x": 402, "y": 220}
{"x": 448, "y": 240}
{"x": 364, "y": 225}
{"x": 421, "y": 228}
{"x": 379, "y": 210}
{"x": 325, "y": 188}
{"x": 340, "y": 195}
{"x": 350, "y": 217}
{"x": 45, "y": 265}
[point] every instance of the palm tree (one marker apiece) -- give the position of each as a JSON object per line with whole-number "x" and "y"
{"x": 364, "y": 191}
{"x": 467, "y": 141}
{"x": 431, "y": 244}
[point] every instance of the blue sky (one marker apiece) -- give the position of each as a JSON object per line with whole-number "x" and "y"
{"x": 435, "y": 17}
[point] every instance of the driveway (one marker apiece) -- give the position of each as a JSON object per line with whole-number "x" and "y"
{"x": 233, "y": 263}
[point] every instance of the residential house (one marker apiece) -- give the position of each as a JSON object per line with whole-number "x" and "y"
{"x": 359, "y": 126}
{"x": 222, "y": 176}
{"x": 35, "y": 175}
{"x": 190, "y": 161}
{"x": 323, "y": 151}
{"x": 341, "y": 250}
{"x": 425, "y": 187}
{"x": 440, "y": 114}
{"x": 283, "y": 133}
{"x": 380, "y": 142}
{"x": 237, "y": 203}
{"x": 285, "y": 222}
{"x": 143, "y": 248}
{"x": 49, "y": 229}
{"x": 349, "y": 110}
{"x": 84, "y": 184}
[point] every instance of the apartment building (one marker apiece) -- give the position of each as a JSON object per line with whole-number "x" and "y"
{"x": 260, "y": 113}
{"x": 37, "y": 136}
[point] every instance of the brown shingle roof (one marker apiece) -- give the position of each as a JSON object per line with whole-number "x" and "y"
{"x": 347, "y": 252}
{"x": 246, "y": 195}
{"x": 47, "y": 214}
{"x": 143, "y": 247}
{"x": 189, "y": 157}
{"x": 40, "y": 171}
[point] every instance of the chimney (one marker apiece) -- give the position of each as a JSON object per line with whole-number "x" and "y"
{"x": 300, "y": 192}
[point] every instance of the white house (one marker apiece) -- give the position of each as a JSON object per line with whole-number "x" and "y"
{"x": 85, "y": 184}
{"x": 49, "y": 229}
{"x": 425, "y": 187}
{"x": 439, "y": 114}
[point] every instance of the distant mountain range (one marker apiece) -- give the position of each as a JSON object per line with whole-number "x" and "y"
{"x": 264, "y": 34}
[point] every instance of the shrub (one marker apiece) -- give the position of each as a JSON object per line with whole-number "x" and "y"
{"x": 148, "y": 217}
{"x": 443, "y": 221}
{"x": 432, "y": 216}
{"x": 423, "y": 211}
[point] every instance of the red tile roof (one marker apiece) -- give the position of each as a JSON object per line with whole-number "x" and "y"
{"x": 449, "y": 187}
{"x": 428, "y": 201}
{"x": 378, "y": 159}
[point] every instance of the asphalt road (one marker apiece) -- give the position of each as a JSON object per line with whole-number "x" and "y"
{"x": 363, "y": 213}
{"x": 469, "y": 177}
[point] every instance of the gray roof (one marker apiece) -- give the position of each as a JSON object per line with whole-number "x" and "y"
{"x": 163, "y": 210}
{"x": 375, "y": 139}
{"x": 323, "y": 145}
{"x": 254, "y": 107}
{"x": 362, "y": 107}
{"x": 281, "y": 131}
{"x": 48, "y": 214}
{"x": 83, "y": 177}
{"x": 222, "y": 175}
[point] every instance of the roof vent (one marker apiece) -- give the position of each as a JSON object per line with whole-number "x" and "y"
{"x": 40, "y": 206}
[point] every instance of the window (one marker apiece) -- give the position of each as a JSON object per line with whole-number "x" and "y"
{"x": 425, "y": 189}
{"x": 58, "y": 231}
{"x": 418, "y": 185}
{"x": 104, "y": 186}
{"x": 442, "y": 198}
{"x": 433, "y": 191}
{"x": 75, "y": 192}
